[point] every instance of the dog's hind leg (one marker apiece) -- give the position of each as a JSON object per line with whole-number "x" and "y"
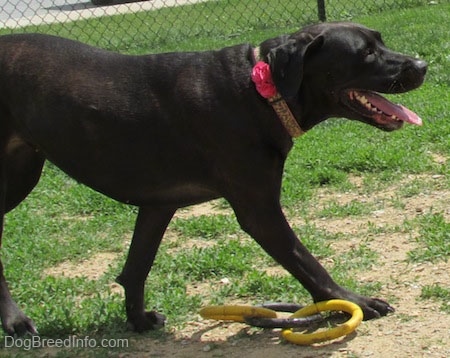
{"x": 20, "y": 169}
{"x": 149, "y": 230}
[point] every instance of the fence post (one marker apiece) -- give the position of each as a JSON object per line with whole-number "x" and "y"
{"x": 321, "y": 10}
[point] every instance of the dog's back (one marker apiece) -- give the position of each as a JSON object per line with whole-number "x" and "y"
{"x": 87, "y": 109}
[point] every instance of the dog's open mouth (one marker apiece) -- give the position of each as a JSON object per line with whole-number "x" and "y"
{"x": 379, "y": 110}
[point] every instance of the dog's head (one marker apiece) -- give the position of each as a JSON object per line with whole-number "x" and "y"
{"x": 338, "y": 69}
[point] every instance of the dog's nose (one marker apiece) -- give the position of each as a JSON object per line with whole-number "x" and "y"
{"x": 421, "y": 66}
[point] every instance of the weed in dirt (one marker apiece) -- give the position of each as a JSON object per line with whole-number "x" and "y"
{"x": 337, "y": 210}
{"x": 437, "y": 292}
{"x": 374, "y": 229}
{"x": 359, "y": 258}
{"x": 433, "y": 239}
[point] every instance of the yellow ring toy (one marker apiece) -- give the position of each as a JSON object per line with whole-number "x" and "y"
{"x": 236, "y": 313}
{"x": 341, "y": 330}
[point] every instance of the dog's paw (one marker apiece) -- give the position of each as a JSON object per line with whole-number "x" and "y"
{"x": 19, "y": 325}
{"x": 371, "y": 307}
{"x": 148, "y": 321}
{"x": 374, "y": 307}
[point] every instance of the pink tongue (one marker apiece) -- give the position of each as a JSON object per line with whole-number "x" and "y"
{"x": 410, "y": 116}
{"x": 401, "y": 112}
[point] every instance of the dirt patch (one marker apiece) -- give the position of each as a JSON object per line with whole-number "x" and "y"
{"x": 209, "y": 208}
{"x": 91, "y": 269}
{"x": 417, "y": 328}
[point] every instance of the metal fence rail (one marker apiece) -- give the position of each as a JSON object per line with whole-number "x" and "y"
{"x": 152, "y": 21}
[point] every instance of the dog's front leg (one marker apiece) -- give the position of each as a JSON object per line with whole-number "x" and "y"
{"x": 266, "y": 223}
{"x": 149, "y": 230}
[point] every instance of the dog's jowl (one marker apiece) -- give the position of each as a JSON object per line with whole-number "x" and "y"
{"x": 170, "y": 130}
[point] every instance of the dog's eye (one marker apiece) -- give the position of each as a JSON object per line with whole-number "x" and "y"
{"x": 368, "y": 52}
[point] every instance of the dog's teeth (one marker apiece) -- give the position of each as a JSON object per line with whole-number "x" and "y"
{"x": 365, "y": 102}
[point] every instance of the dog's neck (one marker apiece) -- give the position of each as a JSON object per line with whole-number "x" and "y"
{"x": 281, "y": 108}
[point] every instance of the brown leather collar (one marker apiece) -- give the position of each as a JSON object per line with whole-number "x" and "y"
{"x": 282, "y": 110}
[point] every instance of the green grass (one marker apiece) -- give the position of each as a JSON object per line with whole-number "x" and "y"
{"x": 210, "y": 24}
{"x": 197, "y": 25}
{"x": 63, "y": 221}
{"x": 206, "y": 227}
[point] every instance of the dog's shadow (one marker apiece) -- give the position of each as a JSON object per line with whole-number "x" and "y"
{"x": 71, "y": 7}
{"x": 256, "y": 339}
{"x": 263, "y": 338}
{"x": 87, "y": 5}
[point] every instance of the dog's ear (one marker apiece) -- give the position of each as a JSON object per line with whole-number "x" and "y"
{"x": 286, "y": 62}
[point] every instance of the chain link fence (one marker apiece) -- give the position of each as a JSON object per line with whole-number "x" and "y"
{"x": 153, "y": 22}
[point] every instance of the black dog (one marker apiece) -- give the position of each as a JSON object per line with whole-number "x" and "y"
{"x": 170, "y": 130}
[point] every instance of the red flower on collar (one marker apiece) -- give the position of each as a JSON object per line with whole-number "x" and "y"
{"x": 262, "y": 77}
